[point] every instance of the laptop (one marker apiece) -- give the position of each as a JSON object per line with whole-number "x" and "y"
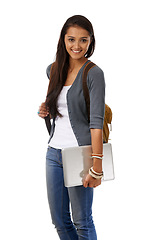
{"x": 77, "y": 161}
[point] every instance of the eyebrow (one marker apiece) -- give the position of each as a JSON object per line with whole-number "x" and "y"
{"x": 74, "y": 37}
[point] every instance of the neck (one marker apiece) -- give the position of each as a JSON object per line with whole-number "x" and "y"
{"x": 74, "y": 64}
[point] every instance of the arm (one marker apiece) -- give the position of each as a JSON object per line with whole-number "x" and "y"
{"x": 97, "y": 108}
{"x": 43, "y": 111}
{"x": 97, "y": 147}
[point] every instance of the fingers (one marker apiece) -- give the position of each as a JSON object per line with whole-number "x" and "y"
{"x": 42, "y": 115}
{"x": 43, "y": 111}
{"x": 85, "y": 184}
{"x": 91, "y": 182}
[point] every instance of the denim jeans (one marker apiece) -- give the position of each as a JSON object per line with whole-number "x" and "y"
{"x": 60, "y": 198}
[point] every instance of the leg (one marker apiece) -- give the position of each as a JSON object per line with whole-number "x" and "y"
{"x": 81, "y": 202}
{"x": 58, "y": 196}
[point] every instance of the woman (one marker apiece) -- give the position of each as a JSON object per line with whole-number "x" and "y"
{"x": 65, "y": 104}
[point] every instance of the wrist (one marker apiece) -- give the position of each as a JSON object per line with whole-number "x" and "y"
{"x": 98, "y": 170}
{"x": 97, "y": 165}
{"x": 94, "y": 174}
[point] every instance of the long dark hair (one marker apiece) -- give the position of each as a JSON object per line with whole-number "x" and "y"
{"x": 60, "y": 67}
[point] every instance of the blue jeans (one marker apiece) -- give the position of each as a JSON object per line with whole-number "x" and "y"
{"x": 60, "y": 197}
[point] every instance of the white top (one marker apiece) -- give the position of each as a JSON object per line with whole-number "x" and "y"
{"x": 63, "y": 136}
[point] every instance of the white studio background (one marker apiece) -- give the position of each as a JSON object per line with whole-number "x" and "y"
{"x": 29, "y": 35}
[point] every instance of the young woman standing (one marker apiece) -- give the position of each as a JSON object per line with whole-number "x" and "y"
{"x": 65, "y": 104}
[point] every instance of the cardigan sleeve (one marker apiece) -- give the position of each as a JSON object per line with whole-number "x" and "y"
{"x": 48, "y": 71}
{"x": 96, "y": 83}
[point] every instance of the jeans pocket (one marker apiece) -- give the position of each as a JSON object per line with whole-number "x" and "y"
{"x": 54, "y": 155}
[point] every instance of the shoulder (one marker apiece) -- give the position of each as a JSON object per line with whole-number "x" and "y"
{"x": 95, "y": 75}
{"x": 48, "y": 70}
{"x": 95, "y": 71}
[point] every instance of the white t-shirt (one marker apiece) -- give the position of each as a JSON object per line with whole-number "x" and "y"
{"x": 63, "y": 136}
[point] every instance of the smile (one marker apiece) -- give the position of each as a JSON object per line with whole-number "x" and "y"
{"x": 74, "y": 51}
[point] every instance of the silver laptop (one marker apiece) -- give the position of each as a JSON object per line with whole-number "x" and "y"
{"x": 77, "y": 161}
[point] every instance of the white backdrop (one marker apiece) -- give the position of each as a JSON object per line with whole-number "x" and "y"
{"x": 29, "y": 34}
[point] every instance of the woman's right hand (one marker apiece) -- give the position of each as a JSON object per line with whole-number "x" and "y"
{"x": 43, "y": 111}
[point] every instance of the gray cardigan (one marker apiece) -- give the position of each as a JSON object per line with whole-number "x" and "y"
{"x": 77, "y": 107}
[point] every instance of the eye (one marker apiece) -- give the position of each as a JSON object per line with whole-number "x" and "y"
{"x": 71, "y": 39}
{"x": 83, "y": 40}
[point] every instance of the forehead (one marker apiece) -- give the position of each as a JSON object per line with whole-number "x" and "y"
{"x": 77, "y": 31}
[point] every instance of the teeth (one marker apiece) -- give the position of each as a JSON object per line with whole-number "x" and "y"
{"x": 75, "y": 51}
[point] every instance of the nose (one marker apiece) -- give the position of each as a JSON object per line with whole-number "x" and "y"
{"x": 76, "y": 45}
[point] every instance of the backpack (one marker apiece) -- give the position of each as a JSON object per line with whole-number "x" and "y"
{"x": 108, "y": 111}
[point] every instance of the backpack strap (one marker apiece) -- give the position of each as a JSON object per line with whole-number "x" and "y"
{"x": 48, "y": 123}
{"x": 87, "y": 68}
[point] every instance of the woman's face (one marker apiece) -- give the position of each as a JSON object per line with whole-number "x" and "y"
{"x": 77, "y": 42}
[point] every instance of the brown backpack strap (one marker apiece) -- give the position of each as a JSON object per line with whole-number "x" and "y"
{"x": 88, "y": 66}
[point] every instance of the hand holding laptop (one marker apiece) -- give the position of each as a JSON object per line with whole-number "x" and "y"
{"x": 89, "y": 181}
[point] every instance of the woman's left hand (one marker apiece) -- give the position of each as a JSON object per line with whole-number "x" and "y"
{"x": 89, "y": 181}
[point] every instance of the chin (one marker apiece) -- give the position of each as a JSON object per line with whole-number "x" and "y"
{"x": 76, "y": 57}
